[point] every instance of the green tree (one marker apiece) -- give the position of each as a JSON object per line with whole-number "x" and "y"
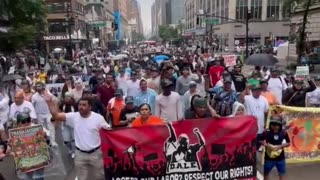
{"x": 167, "y": 33}
{"x": 26, "y": 19}
{"x": 291, "y": 7}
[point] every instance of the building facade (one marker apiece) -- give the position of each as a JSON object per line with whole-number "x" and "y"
{"x": 167, "y": 12}
{"x": 177, "y": 11}
{"x": 121, "y": 19}
{"x": 99, "y": 21}
{"x": 62, "y": 16}
{"x": 135, "y": 21}
{"x": 312, "y": 28}
{"x": 225, "y": 21}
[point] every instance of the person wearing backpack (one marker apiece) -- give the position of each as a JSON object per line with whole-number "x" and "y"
{"x": 275, "y": 139}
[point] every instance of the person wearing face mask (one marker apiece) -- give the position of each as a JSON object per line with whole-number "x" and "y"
{"x": 296, "y": 96}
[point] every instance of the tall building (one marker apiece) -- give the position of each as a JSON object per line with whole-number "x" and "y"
{"x": 135, "y": 21}
{"x": 99, "y": 20}
{"x": 62, "y": 16}
{"x": 226, "y": 26}
{"x": 176, "y": 11}
{"x": 160, "y": 14}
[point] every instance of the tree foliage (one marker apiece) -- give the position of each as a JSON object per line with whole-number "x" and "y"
{"x": 291, "y": 7}
{"x": 26, "y": 19}
{"x": 167, "y": 33}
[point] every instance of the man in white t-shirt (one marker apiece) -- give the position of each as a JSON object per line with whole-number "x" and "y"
{"x": 42, "y": 110}
{"x": 168, "y": 104}
{"x": 257, "y": 106}
{"x": 86, "y": 125}
{"x": 133, "y": 85}
{"x": 276, "y": 84}
{"x": 21, "y": 106}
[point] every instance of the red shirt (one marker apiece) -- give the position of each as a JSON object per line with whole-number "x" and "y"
{"x": 106, "y": 93}
{"x": 215, "y": 73}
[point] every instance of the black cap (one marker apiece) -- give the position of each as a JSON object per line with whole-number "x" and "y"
{"x": 129, "y": 100}
{"x": 118, "y": 92}
{"x": 263, "y": 81}
{"x": 227, "y": 80}
{"x": 23, "y": 118}
{"x": 166, "y": 83}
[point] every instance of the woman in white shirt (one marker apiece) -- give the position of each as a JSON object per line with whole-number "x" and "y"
{"x": 78, "y": 90}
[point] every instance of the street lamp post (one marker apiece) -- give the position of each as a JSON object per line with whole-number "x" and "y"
{"x": 69, "y": 49}
{"x": 247, "y": 32}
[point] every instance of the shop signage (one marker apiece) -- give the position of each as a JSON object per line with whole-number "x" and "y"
{"x": 63, "y": 37}
{"x": 49, "y": 38}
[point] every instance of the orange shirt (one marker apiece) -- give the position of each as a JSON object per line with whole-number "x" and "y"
{"x": 271, "y": 98}
{"x": 114, "y": 107}
{"x": 153, "y": 120}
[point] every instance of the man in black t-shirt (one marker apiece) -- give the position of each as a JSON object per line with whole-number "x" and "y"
{"x": 275, "y": 139}
{"x": 129, "y": 112}
{"x": 238, "y": 78}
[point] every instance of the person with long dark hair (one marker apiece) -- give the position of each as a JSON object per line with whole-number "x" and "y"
{"x": 146, "y": 118}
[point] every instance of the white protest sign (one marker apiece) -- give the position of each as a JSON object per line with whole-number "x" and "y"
{"x": 302, "y": 71}
{"x": 230, "y": 60}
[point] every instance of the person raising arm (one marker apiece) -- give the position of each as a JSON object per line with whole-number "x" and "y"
{"x": 86, "y": 125}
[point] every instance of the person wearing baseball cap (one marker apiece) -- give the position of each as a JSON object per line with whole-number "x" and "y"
{"x": 296, "y": 95}
{"x": 275, "y": 139}
{"x": 129, "y": 112}
{"x": 200, "y": 108}
{"x": 168, "y": 104}
{"x": 193, "y": 90}
{"x": 257, "y": 105}
{"x": 238, "y": 78}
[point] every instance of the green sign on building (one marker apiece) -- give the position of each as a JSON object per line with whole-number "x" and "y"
{"x": 98, "y": 24}
{"x": 212, "y": 21}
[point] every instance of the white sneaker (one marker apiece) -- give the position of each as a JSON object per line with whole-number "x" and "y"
{"x": 73, "y": 155}
{"x": 53, "y": 143}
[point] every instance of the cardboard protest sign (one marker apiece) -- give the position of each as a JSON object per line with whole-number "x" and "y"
{"x": 302, "y": 71}
{"x": 29, "y": 147}
{"x": 230, "y": 60}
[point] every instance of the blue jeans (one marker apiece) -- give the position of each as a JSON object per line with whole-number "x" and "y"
{"x": 280, "y": 165}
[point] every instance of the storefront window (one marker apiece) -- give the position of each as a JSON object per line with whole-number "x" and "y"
{"x": 256, "y": 9}
{"x": 55, "y": 7}
{"x": 241, "y": 9}
{"x": 56, "y": 27}
{"x": 273, "y": 9}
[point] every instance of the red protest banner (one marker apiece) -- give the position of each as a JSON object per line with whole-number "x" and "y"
{"x": 184, "y": 150}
